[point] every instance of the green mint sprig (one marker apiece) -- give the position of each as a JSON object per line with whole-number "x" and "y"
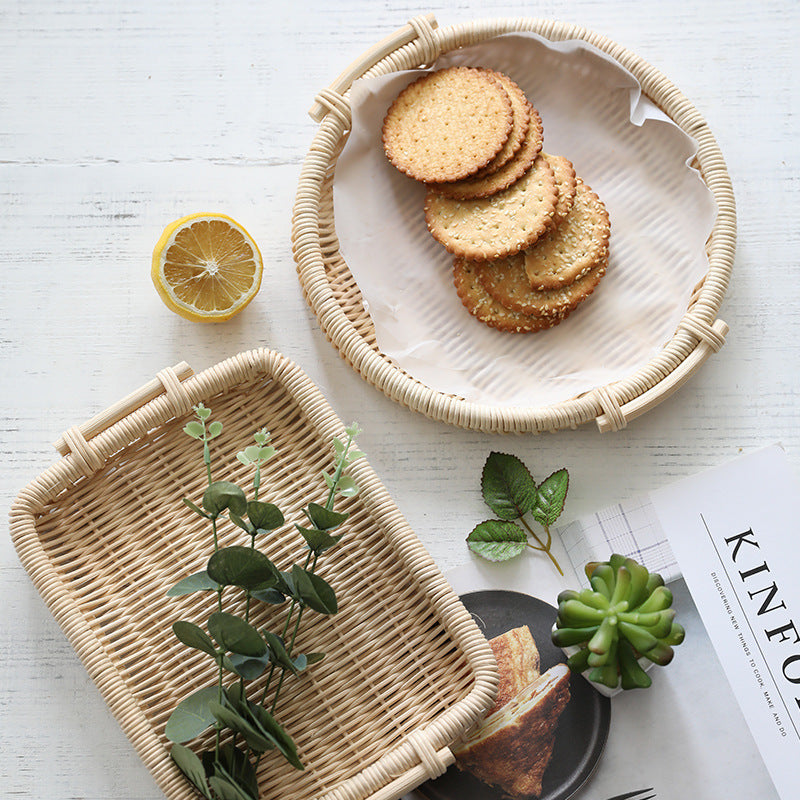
{"x": 511, "y": 492}
{"x": 245, "y": 729}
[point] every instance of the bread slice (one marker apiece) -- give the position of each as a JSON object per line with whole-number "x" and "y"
{"x": 512, "y": 747}
{"x": 517, "y": 662}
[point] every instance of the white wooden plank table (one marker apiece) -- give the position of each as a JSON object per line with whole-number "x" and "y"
{"x": 116, "y": 118}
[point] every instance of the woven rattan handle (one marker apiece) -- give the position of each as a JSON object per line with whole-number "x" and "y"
{"x": 168, "y": 380}
{"x": 616, "y": 416}
{"x": 418, "y": 28}
{"x": 412, "y": 778}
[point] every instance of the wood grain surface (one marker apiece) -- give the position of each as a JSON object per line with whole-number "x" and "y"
{"x": 116, "y": 118}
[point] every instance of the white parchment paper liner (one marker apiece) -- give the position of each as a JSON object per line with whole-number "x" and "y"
{"x": 622, "y": 146}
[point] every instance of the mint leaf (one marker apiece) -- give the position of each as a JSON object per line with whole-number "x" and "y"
{"x": 508, "y": 488}
{"x": 550, "y": 498}
{"x": 497, "y": 540}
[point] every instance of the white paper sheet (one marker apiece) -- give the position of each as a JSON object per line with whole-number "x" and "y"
{"x": 734, "y": 531}
{"x": 622, "y": 146}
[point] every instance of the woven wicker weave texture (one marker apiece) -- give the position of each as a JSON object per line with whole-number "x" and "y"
{"x": 335, "y": 298}
{"x": 104, "y": 534}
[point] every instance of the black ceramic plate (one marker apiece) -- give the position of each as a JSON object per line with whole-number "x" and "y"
{"x": 582, "y": 728}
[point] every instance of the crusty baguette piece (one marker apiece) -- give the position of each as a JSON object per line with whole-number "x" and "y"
{"x": 512, "y": 747}
{"x": 517, "y": 662}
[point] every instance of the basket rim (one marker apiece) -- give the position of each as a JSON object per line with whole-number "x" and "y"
{"x": 698, "y": 335}
{"x": 76, "y": 467}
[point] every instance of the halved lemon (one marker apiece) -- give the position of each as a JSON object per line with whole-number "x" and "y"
{"x": 206, "y": 267}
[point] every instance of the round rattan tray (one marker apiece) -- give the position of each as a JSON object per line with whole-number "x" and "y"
{"x": 334, "y": 296}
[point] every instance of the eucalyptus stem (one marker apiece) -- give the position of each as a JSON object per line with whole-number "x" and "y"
{"x": 220, "y": 671}
{"x": 289, "y": 650}
{"x": 238, "y": 647}
{"x": 337, "y": 475}
{"x": 256, "y": 482}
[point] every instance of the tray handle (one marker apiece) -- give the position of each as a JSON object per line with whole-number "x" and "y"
{"x": 167, "y": 381}
{"x": 421, "y": 27}
{"x": 433, "y": 764}
{"x": 614, "y": 416}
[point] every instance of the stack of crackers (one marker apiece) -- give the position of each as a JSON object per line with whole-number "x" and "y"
{"x": 529, "y": 237}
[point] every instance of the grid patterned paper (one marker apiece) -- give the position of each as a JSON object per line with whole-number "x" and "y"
{"x": 630, "y": 528}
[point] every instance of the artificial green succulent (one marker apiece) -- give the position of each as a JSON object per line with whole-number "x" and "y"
{"x": 626, "y": 614}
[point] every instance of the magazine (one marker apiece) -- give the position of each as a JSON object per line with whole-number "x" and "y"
{"x": 722, "y": 719}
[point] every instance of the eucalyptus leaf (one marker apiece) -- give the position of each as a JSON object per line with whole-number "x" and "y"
{"x": 508, "y": 488}
{"x": 242, "y": 566}
{"x": 222, "y": 495}
{"x": 242, "y": 523}
{"x": 314, "y": 658}
{"x": 227, "y": 664}
{"x": 194, "y": 429}
{"x": 300, "y": 662}
{"x": 347, "y": 487}
{"x": 277, "y": 651}
{"x": 191, "y": 766}
{"x": 264, "y": 516}
{"x": 197, "y": 582}
{"x": 214, "y": 430}
{"x": 195, "y": 508}
{"x": 192, "y": 715}
{"x": 225, "y": 787}
{"x": 251, "y": 452}
{"x": 234, "y": 764}
{"x": 235, "y": 694}
{"x": 193, "y": 636}
{"x": 288, "y": 585}
{"x": 235, "y": 634}
{"x": 248, "y": 667}
{"x": 318, "y": 541}
{"x": 323, "y": 518}
{"x": 269, "y": 726}
{"x": 314, "y": 591}
{"x": 232, "y": 719}
{"x": 550, "y": 497}
{"x": 497, "y": 540}
{"x": 269, "y": 595}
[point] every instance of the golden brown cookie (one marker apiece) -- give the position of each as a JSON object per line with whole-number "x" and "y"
{"x": 484, "y": 185}
{"x": 566, "y": 183}
{"x": 506, "y": 281}
{"x": 496, "y": 226}
{"x": 484, "y": 307}
{"x": 447, "y": 124}
{"x": 570, "y": 249}
{"x": 521, "y": 110}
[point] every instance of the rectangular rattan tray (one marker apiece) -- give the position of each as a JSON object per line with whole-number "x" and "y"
{"x": 103, "y": 534}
